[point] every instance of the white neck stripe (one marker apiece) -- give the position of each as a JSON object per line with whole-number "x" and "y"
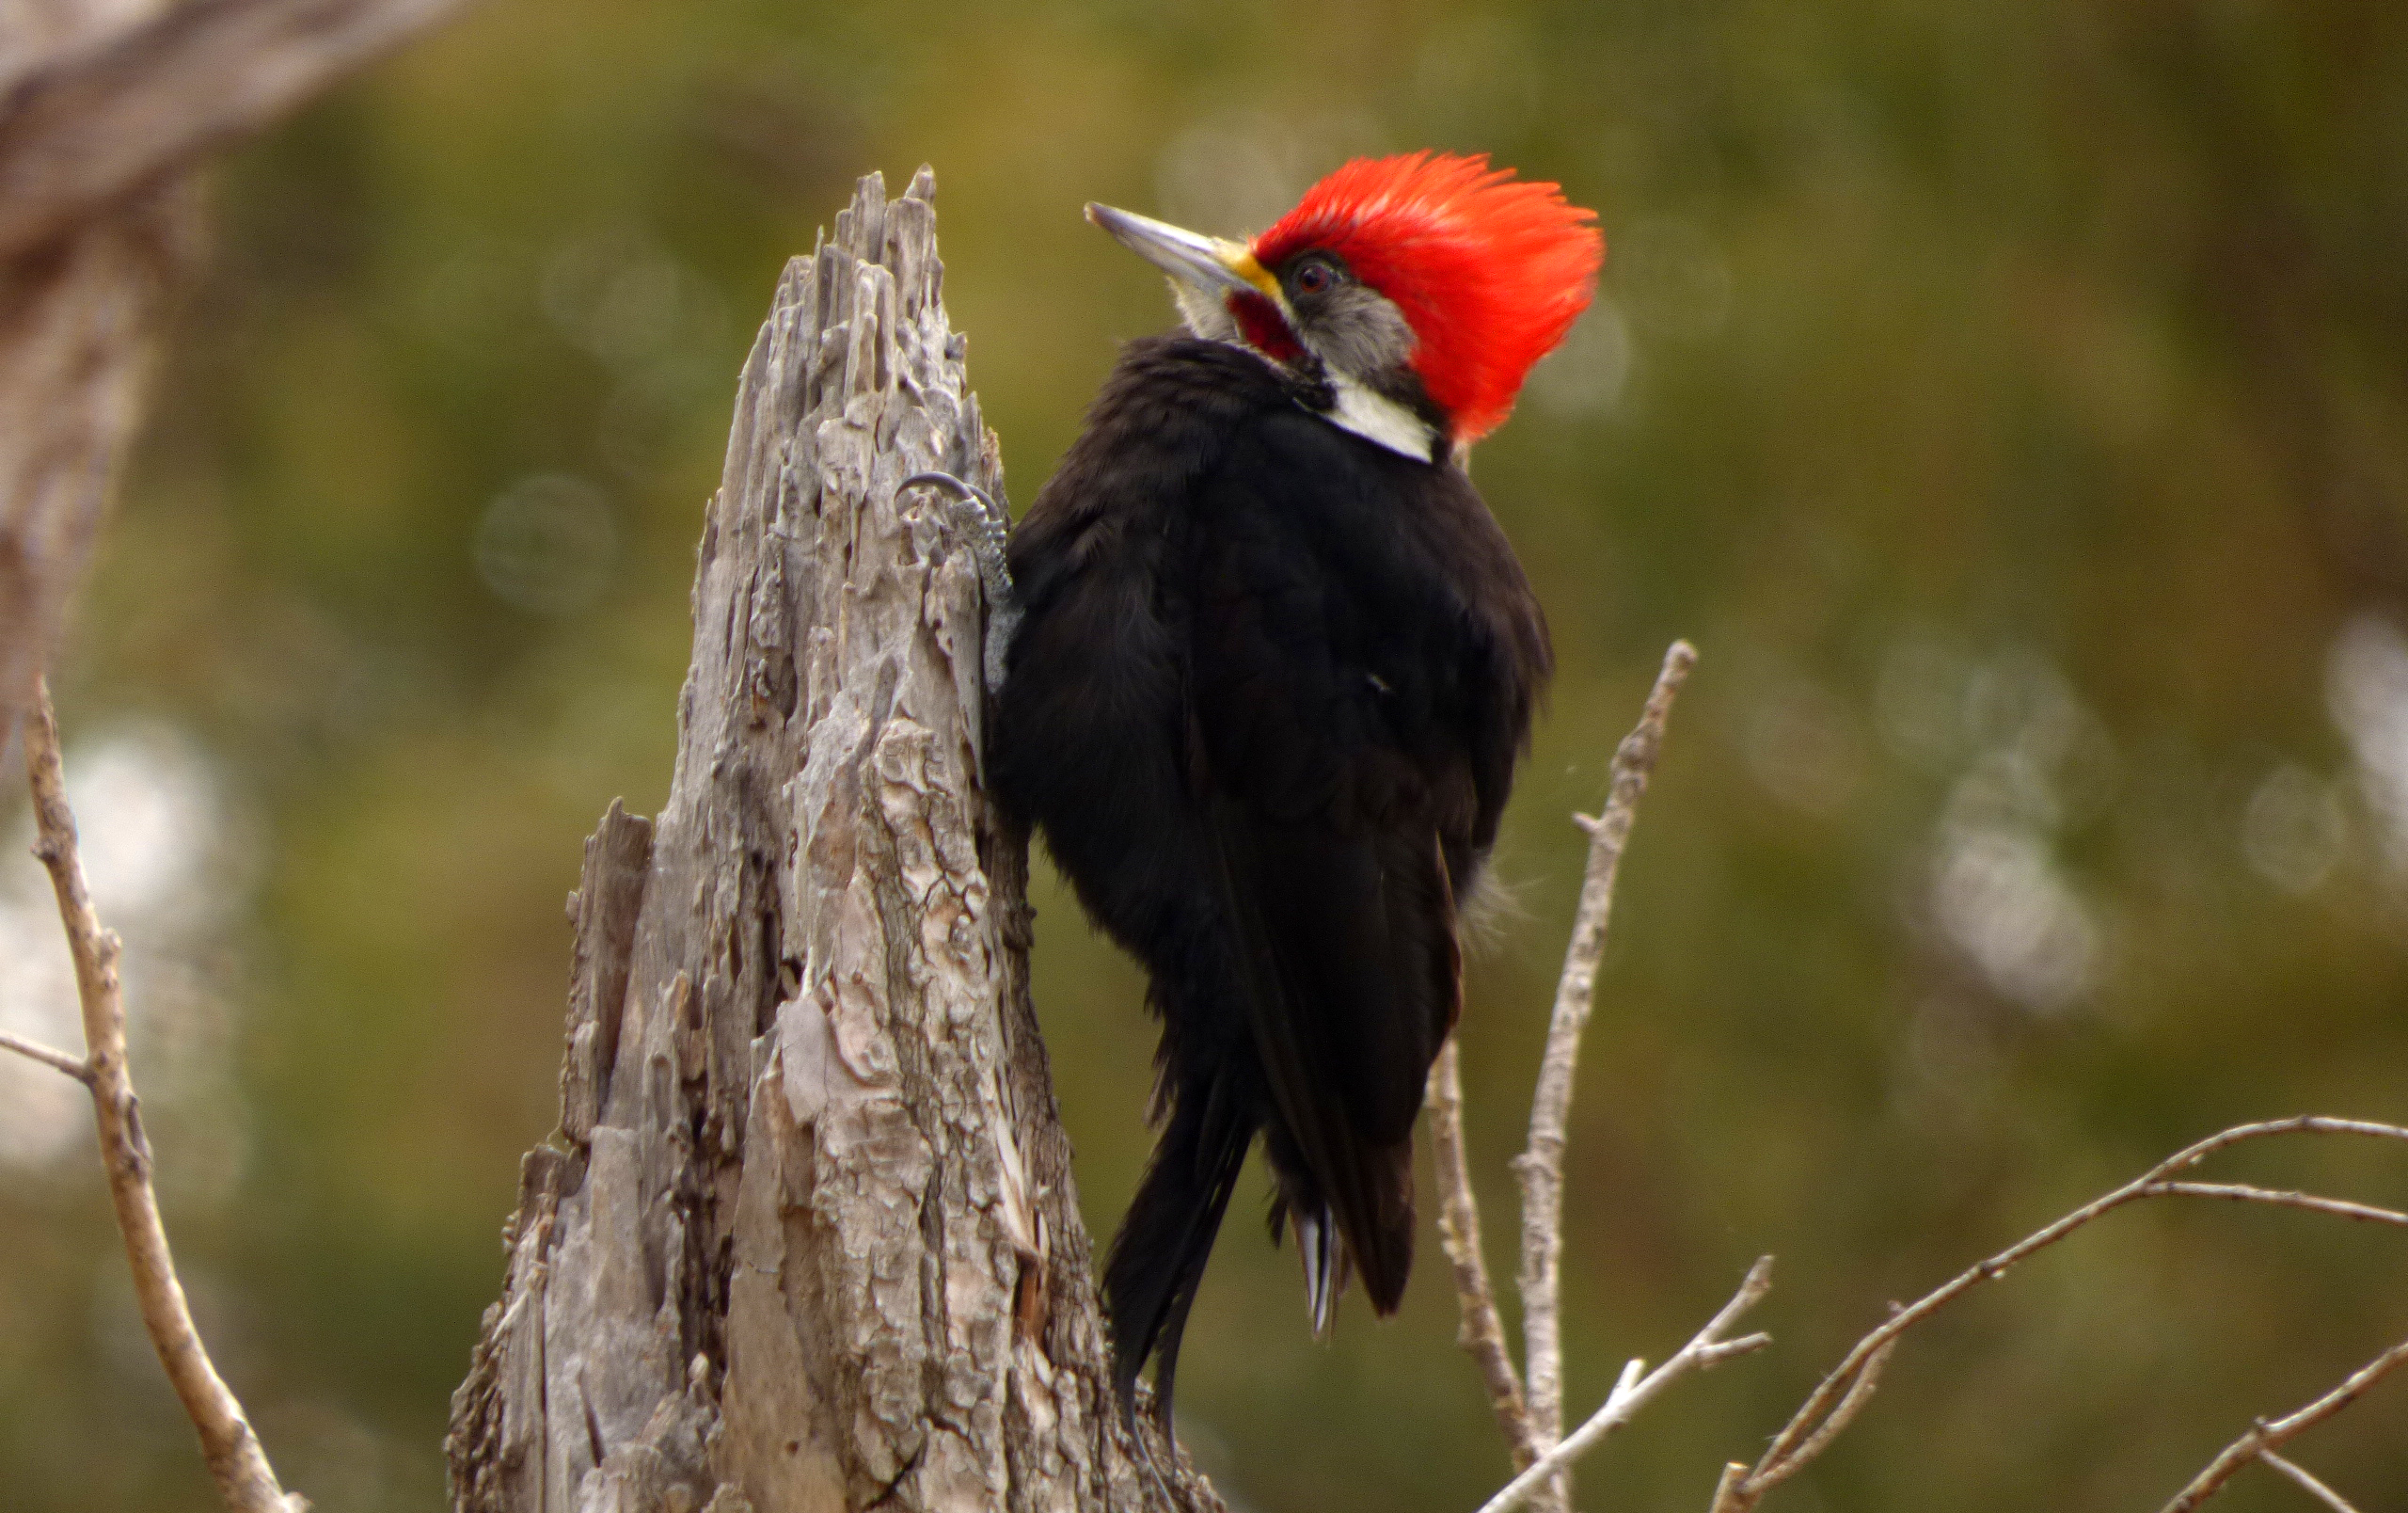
{"x": 1378, "y": 419}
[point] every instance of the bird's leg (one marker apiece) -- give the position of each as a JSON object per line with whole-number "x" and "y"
{"x": 987, "y": 524}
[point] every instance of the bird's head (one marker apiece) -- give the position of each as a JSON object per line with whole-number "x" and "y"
{"x": 1425, "y": 286}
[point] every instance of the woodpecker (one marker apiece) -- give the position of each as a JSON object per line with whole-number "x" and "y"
{"x": 1274, "y": 665}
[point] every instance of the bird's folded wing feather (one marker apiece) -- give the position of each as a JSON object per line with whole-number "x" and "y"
{"x": 1326, "y": 819}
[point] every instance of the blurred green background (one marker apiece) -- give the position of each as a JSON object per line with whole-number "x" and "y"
{"x": 2008, "y": 398}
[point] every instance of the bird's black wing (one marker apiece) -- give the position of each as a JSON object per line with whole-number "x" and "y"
{"x": 1331, "y": 660}
{"x": 1090, "y": 741}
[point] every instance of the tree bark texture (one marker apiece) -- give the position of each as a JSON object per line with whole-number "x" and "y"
{"x": 807, "y": 1236}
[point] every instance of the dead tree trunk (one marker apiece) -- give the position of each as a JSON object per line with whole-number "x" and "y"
{"x": 807, "y": 1236}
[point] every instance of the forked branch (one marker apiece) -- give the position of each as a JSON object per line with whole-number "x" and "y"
{"x": 2264, "y": 1438}
{"x": 1828, "y": 1410}
{"x": 1529, "y": 1405}
{"x": 233, "y": 1451}
{"x": 1639, "y": 1386}
{"x": 1540, "y": 1168}
{"x": 1532, "y": 1419}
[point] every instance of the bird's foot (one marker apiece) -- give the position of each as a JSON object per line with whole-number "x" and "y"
{"x": 987, "y": 524}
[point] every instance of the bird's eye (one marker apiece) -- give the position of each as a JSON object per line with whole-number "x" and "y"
{"x": 1313, "y": 277}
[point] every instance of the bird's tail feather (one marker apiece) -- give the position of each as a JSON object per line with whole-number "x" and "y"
{"x": 1157, "y": 1259}
{"x": 1322, "y": 1245}
{"x": 1374, "y": 1239}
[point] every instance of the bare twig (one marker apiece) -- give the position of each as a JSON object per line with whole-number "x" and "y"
{"x": 88, "y": 127}
{"x": 2245, "y": 1193}
{"x": 244, "y": 1476}
{"x": 2263, "y": 1436}
{"x": 1859, "y": 1392}
{"x": 2307, "y": 1482}
{"x": 1480, "y": 1334}
{"x": 1540, "y": 1166}
{"x": 1635, "y": 1391}
{"x": 1789, "y": 1450}
{"x": 56, "y": 1061}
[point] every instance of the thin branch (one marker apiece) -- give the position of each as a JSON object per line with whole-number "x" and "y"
{"x": 56, "y": 1061}
{"x": 2263, "y": 1436}
{"x": 1706, "y": 1349}
{"x": 2307, "y": 1482}
{"x": 1540, "y": 1166}
{"x": 89, "y": 127}
{"x": 1786, "y": 1454}
{"x": 2245, "y": 1193}
{"x": 1859, "y": 1392}
{"x": 244, "y": 1478}
{"x": 1481, "y": 1333}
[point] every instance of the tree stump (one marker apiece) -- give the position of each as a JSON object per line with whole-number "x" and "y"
{"x": 807, "y": 1236}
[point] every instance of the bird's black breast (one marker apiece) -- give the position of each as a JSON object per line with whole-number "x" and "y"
{"x": 1282, "y": 607}
{"x": 1364, "y": 637}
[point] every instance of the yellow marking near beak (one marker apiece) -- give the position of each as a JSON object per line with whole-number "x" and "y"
{"x": 1239, "y": 261}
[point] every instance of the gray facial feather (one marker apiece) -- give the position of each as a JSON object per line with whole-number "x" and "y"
{"x": 1359, "y": 331}
{"x": 1204, "y": 314}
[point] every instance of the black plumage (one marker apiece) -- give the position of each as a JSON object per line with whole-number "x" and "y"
{"x": 1264, "y": 703}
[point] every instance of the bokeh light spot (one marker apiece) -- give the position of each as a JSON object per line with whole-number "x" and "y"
{"x": 547, "y": 543}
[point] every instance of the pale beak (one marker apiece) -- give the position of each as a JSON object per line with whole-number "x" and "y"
{"x": 1213, "y": 267}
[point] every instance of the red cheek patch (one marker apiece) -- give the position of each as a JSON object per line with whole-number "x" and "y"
{"x": 1260, "y": 323}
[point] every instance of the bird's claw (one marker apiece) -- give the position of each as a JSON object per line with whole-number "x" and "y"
{"x": 987, "y": 524}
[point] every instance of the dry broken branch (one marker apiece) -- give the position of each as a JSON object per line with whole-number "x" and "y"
{"x": 808, "y": 1236}
{"x": 1540, "y": 1168}
{"x": 241, "y": 1468}
{"x": 1817, "y": 1420}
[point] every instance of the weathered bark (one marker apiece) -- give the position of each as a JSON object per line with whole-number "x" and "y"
{"x": 807, "y": 1237}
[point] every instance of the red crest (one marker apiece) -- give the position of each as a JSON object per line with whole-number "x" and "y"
{"x": 1490, "y": 271}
